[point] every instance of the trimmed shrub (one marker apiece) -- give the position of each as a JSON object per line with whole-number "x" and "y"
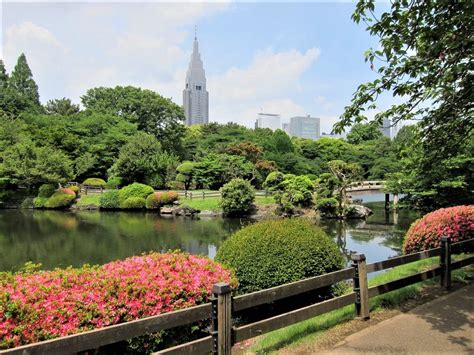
{"x": 274, "y": 252}
{"x": 114, "y": 182}
{"x": 46, "y": 190}
{"x": 94, "y": 182}
{"x": 153, "y": 201}
{"x": 60, "y": 199}
{"x": 48, "y": 304}
{"x": 327, "y": 207}
{"x": 426, "y": 232}
{"x": 237, "y": 197}
{"x": 273, "y": 180}
{"x": 172, "y": 196}
{"x": 135, "y": 190}
{"x": 67, "y": 191}
{"x": 109, "y": 200}
{"x": 134, "y": 203}
{"x": 27, "y": 203}
{"x": 39, "y": 202}
{"x": 74, "y": 188}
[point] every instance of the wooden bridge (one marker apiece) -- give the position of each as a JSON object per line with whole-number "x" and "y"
{"x": 223, "y": 335}
{"x": 361, "y": 186}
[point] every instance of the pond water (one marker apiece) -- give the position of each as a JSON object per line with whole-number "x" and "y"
{"x": 60, "y": 239}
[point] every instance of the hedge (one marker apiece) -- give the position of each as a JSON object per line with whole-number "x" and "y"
{"x": 426, "y": 232}
{"x": 134, "y": 203}
{"x": 135, "y": 190}
{"x": 94, "y": 182}
{"x": 36, "y": 306}
{"x": 61, "y": 199}
{"x": 109, "y": 200}
{"x": 273, "y": 252}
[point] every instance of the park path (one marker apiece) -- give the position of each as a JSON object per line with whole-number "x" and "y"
{"x": 442, "y": 326}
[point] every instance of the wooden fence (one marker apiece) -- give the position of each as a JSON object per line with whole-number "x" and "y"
{"x": 223, "y": 335}
{"x": 207, "y": 194}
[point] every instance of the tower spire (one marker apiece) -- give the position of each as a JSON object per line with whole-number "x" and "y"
{"x": 195, "y": 32}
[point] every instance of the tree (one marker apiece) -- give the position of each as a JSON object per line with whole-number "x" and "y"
{"x": 361, "y": 133}
{"x": 22, "y": 83}
{"x": 248, "y": 150}
{"x": 143, "y": 160}
{"x": 63, "y": 107}
{"x": 282, "y": 142}
{"x": 151, "y": 112}
{"x": 186, "y": 173}
{"x": 3, "y": 76}
{"x": 345, "y": 174}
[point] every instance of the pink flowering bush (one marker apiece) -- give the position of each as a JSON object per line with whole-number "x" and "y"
{"x": 35, "y": 306}
{"x": 425, "y": 233}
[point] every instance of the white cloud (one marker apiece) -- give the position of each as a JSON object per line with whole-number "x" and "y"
{"x": 267, "y": 83}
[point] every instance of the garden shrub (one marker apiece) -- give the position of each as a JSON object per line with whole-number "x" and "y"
{"x": 426, "y": 232}
{"x": 60, "y": 199}
{"x": 67, "y": 191}
{"x": 74, "y": 188}
{"x": 161, "y": 198}
{"x": 94, "y": 182}
{"x": 172, "y": 196}
{"x": 294, "y": 191}
{"x": 46, "y": 190}
{"x": 135, "y": 190}
{"x": 327, "y": 207}
{"x": 114, "y": 183}
{"x": 39, "y": 202}
{"x": 109, "y": 200}
{"x": 47, "y": 304}
{"x": 134, "y": 203}
{"x": 273, "y": 180}
{"x": 237, "y": 197}
{"x": 27, "y": 203}
{"x": 273, "y": 252}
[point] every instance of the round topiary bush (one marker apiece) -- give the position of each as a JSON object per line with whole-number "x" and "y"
{"x": 67, "y": 191}
{"x": 73, "y": 188}
{"x": 109, "y": 200}
{"x": 39, "y": 202}
{"x": 273, "y": 180}
{"x": 134, "y": 203}
{"x": 237, "y": 197}
{"x": 274, "y": 252}
{"x": 40, "y": 305}
{"x": 327, "y": 207}
{"x": 135, "y": 190}
{"x": 46, "y": 190}
{"x": 153, "y": 201}
{"x": 172, "y": 196}
{"x": 60, "y": 199}
{"x": 94, "y": 182}
{"x": 425, "y": 233}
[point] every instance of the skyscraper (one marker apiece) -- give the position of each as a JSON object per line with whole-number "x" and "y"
{"x": 195, "y": 95}
{"x": 305, "y": 127}
{"x": 268, "y": 120}
{"x": 386, "y": 128}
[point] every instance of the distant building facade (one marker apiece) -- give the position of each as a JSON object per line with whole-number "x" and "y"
{"x": 386, "y": 128}
{"x": 305, "y": 127}
{"x": 286, "y": 128}
{"x": 195, "y": 95}
{"x": 268, "y": 120}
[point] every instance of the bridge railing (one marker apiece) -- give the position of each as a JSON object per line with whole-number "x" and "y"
{"x": 223, "y": 335}
{"x": 207, "y": 194}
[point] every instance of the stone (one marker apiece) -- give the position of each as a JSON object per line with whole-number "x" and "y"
{"x": 185, "y": 211}
{"x": 357, "y": 211}
{"x": 166, "y": 210}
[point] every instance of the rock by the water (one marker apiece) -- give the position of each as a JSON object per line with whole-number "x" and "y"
{"x": 185, "y": 211}
{"x": 357, "y": 211}
{"x": 208, "y": 213}
{"x": 167, "y": 210}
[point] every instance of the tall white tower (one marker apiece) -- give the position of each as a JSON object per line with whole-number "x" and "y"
{"x": 195, "y": 95}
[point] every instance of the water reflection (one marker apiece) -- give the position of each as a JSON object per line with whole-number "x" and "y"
{"x": 60, "y": 239}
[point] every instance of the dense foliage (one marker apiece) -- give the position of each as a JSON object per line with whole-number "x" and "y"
{"x": 161, "y": 198}
{"x": 133, "y": 203}
{"x": 60, "y": 199}
{"x": 135, "y": 190}
{"x": 274, "y": 252}
{"x": 237, "y": 197}
{"x": 425, "y": 233}
{"x": 110, "y": 200}
{"x": 94, "y": 182}
{"x": 48, "y": 304}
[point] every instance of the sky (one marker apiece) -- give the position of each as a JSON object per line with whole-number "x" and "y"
{"x": 291, "y": 58}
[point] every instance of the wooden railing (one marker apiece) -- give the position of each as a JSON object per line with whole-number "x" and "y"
{"x": 223, "y": 335}
{"x": 206, "y": 194}
{"x": 366, "y": 185}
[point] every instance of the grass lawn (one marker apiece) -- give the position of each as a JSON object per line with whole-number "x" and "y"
{"x": 212, "y": 203}
{"x": 308, "y": 332}
{"x": 90, "y": 199}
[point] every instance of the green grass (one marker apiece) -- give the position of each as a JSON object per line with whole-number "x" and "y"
{"x": 91, "y": 199}
{"x": 212, "y": 203}
{"x": 310, "y": 330}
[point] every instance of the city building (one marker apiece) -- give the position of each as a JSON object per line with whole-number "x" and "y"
{"x": 195, "y": 95}
{"x": 305, "y": 127}
{"x": 286, "y": 128}
{"x": 268, "y": 120}
{"x": 386, "y": 127}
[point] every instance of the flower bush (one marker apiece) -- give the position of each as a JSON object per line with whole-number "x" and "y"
{"x": 158, "y": 199}
{"x": 73, "y": 188}
{"x": 42, "y": 305}
{"x": 67, "y": 191}
{"x": 425, "y": 233}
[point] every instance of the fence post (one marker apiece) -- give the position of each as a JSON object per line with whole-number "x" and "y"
{"x": 191, "y": 196}
{"x": 222, "y": 319}
{"x": 203, "y": 195}
{"x": 445, "y": 262}
{"x": 361, "y": 287}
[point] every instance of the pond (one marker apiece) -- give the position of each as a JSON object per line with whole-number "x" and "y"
{"x": 60, "y": 239}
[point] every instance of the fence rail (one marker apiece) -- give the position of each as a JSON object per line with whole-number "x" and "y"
{"x": 208, "y": 194}
{"x": 220, "y": 310}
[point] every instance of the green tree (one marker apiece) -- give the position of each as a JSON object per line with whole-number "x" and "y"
{"x": 361, "y": 133}
{"x": 238, "y": 196}
{"x": 150, "y": 111}
{"x": 186, "y": 173}
{"x": 282, "y": 142}
{"x": 3, "y": 76}
{"x": 22, "y": 83}
{"x": 63, "y": 107}
{"x": 344, "y": 174}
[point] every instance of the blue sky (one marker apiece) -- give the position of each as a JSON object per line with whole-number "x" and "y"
{"x": 288, "y": 58}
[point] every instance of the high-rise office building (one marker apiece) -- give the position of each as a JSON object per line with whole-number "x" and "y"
{"x": 305, "y": 127}
{"x": 195, "y": 95}
{"x": 386, "y": 127}
{"x": 268, "y": 120}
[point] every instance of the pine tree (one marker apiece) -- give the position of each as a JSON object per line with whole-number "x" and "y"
{"x": 21, "y": 81}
